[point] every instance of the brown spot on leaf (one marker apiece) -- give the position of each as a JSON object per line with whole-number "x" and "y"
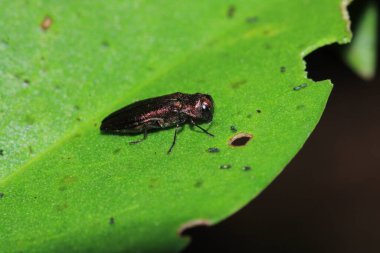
{"x": 68, "y": 180}
{"x": 153, "y": 183}
{"x": 236, "y": 85}
{"x": 61, "y": 207}
{"x": 46, "y": 23}
{"x": 105, "y": 44}
{"x": 231, "y": 11}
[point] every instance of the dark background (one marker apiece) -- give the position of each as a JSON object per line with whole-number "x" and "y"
{"x": 328, "y": 197}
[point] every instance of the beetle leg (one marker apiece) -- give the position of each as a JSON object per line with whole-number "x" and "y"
{"x": 174, "y": 139}
{"x": 201, "y": 128}
{"x": 144, "y": 138}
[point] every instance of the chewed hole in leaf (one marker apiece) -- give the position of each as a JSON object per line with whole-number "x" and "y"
{"x": 185, "y": 228}
{"x": 240, "y": 139}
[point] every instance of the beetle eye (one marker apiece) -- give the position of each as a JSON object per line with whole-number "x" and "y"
{"x": 205, "y": 107}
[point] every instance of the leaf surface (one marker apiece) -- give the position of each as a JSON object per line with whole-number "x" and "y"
{"x": 64, "y": 67}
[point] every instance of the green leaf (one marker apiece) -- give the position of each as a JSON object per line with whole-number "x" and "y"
{"x": 361, "y": 54}
{"x": 65, "y": 66}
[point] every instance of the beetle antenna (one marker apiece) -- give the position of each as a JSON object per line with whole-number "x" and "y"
{"x": 204, "y": 130}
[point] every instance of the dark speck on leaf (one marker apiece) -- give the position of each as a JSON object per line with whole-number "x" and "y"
{"x": 26, "y": 83}
{"x": 116, "y": 151}
{"x": 1, "y": 195}
{"x": 112, "y": 221}
{"x": 233, "y": 129}
{"x": 76, "y": 107}
{"x": 258, "y": 111}
{"x": 213, "y": 150}
{"x": 3, "y": 44}
{"x": 62, "y": 188}
{"x": 1, "y": 152}
{"x": 283, "y": 69}
{"x": 30, "y": 148}
{"x": 198, "y": 183}
{"x": 231, "y": 11}
{"x": 249, "y": 116}
{"x": 105, "y": 44}
{"x": 251, "y": 20}
{"x": 225, "y": 166}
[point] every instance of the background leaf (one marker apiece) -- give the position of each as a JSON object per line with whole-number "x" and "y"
{"x": 361, "y": 54}
{"x": 64, "y": 67}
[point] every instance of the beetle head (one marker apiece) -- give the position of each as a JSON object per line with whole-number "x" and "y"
{"x": 204, "y": 108}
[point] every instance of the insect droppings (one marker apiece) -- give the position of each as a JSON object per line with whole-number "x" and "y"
{"x": 304, "y": 85}
{"x": 283, "y": 69}
{"x": 173, "y": 110}
{"x": 246, "y": 168}
{"x": 225, "y": 166}
{"x": 233, "y": 129}
{"x": 1, "y": 152}
{"x": 213, "y": 150}
{"x": 240, "y": 139}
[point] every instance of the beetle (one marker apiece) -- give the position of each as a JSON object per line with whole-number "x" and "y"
{"x": 172, "y": 110}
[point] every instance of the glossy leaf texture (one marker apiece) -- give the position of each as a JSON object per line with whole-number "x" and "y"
{"x": 65, "y": 66}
